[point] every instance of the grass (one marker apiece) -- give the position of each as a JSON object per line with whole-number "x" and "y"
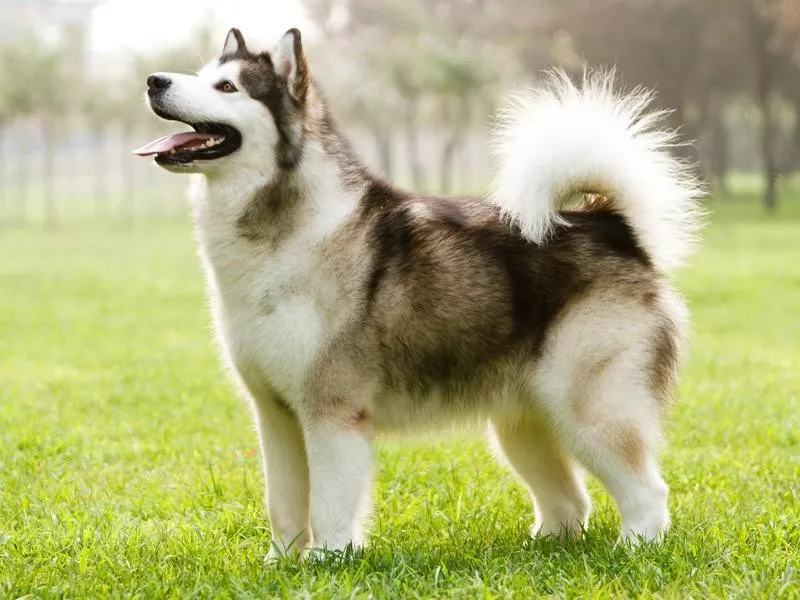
{"x": 128, "y": 468}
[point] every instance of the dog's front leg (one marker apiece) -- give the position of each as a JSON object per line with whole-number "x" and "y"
{"x": 286, "y": 473}
{"x": 340, "y": 465}
{"x": 338, "y": 430}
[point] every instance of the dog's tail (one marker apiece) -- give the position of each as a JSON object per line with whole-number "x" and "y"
{"x": 564, "y": 140}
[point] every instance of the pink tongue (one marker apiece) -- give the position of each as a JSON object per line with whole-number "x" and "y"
{"x": 170, "y": 142}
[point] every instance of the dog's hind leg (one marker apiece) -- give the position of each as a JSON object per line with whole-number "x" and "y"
{"x": 561, "y": 502}
{"x": 605, "y": 380}
{"x": 620, "y": 454}
{"x": 610, "y": 423}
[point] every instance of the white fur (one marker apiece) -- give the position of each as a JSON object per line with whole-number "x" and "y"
{"x": 559, "y": 140}
{"x": 286, "y": 470}
{"x": 340, "y": 467}
{"x": 278, "y": 345}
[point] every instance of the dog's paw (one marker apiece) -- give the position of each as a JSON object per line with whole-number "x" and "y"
{"x": 276, "y": 555}
{"x": 571, "y": 531}
{"x": 273, "y": 557}
{"x": 333, "y": 555}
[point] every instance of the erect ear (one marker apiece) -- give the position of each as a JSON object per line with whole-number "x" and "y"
{"x": 234, "y": 43}
{"x": 290, "y": 63}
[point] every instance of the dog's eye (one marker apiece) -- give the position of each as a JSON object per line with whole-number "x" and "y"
{"x": 226, "y": 87}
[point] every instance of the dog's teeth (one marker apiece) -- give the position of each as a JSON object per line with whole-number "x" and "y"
{"x": 210, "y": 143}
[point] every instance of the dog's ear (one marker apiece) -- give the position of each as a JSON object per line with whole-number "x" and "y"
{"x": 234, "y": 43}
{"x": 290, "y": 63}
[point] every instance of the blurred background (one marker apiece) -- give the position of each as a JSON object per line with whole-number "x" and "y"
{"x": 414, "y": 84}
{"x": 127, "y": 461}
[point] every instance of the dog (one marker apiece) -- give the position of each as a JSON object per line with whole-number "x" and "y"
{"x": 346, "y": 307}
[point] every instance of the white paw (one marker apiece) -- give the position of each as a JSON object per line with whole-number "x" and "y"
{"x": 648, "y": 533}
{"x": 323, "y": 551}
{"x": 646, "y": 525}
{"x": 569, "y": 530}
{"x": 278, "y": 551}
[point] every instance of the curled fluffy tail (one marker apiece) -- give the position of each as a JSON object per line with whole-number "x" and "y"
{"x": 562, "y": 140}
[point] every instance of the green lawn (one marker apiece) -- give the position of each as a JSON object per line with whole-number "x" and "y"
{"x": 128, "y": 467}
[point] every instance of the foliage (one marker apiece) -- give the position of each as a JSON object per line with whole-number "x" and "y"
{"x": 35, "y": 78}
{"x": 403, "y": 70}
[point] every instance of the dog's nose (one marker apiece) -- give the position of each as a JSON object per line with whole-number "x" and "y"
{"x": 157, "y": 83}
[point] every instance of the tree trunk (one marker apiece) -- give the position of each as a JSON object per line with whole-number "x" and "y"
{"x": 383, "y": 145}
{"x": 5, "y": 209}
{"x": 713, "y": 143}
{"x": 768, "y": 141}
{"x": 719, "y": 151}
{"x": 48, "y": 173}
{"x": 448, "y": 154}
{"x": 794, "y": 151}
{"x": 452, "y": 144}
{"x": 455, "y": 113}
{"x": 675, "y": 104}
{"x": 412, "y": 142}
{"x": 21, "y": 193}
{"x": 127, "y": 209}
{"x": 99, "y": 174}
{"x": 761, "y": 35}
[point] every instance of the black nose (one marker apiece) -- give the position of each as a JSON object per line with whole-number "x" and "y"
{"x": 157, "y": 83}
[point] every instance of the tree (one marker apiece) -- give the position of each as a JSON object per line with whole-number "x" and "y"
{"x": 121, "y": 102}
{"x": 21, "y": 97}
{"x": 683, "y": 49}
{"x": 6, "y": 118}
{"x": 417, "y": 51}
{"x": 786, "y": 16}
{"x": 60, "y": 70}
{"x": 38, "y": 85}
{"x": 99, "y": 109}
{"x": 760, "y": 30}
{"x": 703, "y": 57}
{"x": 360, "y": 92}
{"x": 460, "y": 78}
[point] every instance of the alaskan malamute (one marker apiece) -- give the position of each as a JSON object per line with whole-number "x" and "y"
{"x": 346, "y": 307}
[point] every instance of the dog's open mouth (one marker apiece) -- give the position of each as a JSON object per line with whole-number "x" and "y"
{"x": 208, "y": 141}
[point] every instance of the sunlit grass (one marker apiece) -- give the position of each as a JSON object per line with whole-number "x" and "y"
{"x": 129, "y": 468}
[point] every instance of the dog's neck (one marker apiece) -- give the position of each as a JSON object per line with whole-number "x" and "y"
{"x": 272, "y": 205}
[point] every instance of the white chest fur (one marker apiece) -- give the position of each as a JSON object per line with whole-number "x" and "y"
{"x": 270, "y": 337}
{"x": 265, "y": 301}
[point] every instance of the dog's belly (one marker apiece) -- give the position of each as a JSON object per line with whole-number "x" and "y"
{"x": 441, "y": 408}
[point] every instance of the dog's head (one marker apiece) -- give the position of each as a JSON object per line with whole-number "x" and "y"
{"x": 242, "y": 108}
